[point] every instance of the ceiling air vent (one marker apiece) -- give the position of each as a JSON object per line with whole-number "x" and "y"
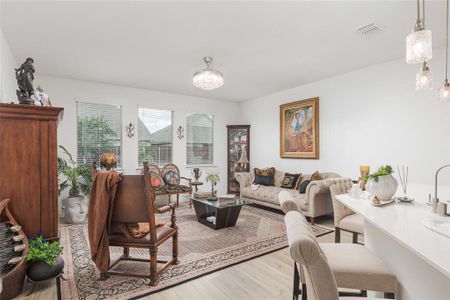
{"x": 369, "y": 29}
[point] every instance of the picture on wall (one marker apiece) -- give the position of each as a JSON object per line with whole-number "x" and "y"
{"x": 299, "y": 129}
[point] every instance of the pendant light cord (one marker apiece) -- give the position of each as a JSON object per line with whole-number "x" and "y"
{"x": 446, "y": 45}
{"x": 423, "y": 14}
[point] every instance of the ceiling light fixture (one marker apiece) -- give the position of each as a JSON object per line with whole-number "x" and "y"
{"x": 424, "y": 78}
{"x": 444, "y": 92}
{"x": 418, "y": 43}
{"x": 208, "y": 79}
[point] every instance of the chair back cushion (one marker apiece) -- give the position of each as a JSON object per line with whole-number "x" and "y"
{"x": 171, "y": 178}
{"x": 340, "y": 210}
{"x": 130, "y": 204}
{"x": 305, "y": 250}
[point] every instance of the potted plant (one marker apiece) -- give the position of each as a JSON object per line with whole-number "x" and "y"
{"x": 212, "y": 175}
{"x": 382, "y": 184}
{"x": 44, "y": 259}
{"x": 78, "y": 179}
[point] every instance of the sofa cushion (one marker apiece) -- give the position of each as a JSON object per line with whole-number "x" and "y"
{"x": 264, "y": 176}
{"x": 315, "y": 176}
{"x": 290, "y": 180}
{"x": 270, "y": 194}
{"x": 303, "y": 186}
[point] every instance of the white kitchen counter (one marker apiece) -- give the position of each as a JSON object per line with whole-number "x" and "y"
{"x": 419, "y": 257}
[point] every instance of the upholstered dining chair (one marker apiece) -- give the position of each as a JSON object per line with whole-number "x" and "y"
{"x": 135, "y": 203}
{"x": 338, "y": 265}
{"x": 344, "y": 218}
{"x": 171, "y": 176}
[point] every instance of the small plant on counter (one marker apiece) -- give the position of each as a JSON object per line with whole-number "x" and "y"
{"x": 384, "y": 170}
{"x": 40, "y": 250}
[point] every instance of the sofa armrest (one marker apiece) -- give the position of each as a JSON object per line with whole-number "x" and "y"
{"x": 244, "y": 178}
{"x": 320, "y": 187}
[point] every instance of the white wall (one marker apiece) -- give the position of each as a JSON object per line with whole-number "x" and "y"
{"x": 64, "y": 93}
{"x": 7, "y": 77}
{"x": 372, "y": 116}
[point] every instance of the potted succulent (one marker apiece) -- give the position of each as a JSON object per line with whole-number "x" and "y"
{"x": 44, "y": 259}
{"x": 212, "y": 175}
{"x": 382, "y": 184}
{"x": 78, "y": 179}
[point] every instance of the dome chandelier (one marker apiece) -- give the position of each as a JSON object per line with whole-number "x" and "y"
{"x": 207, "y": 79}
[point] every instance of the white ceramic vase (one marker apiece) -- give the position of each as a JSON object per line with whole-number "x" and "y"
{"x": 384, "y": 188}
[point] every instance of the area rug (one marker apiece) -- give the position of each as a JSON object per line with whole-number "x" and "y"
{"x": 202, "y": 250}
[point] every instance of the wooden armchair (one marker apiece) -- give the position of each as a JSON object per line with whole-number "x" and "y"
{"x": 135, "y": 203}
{"x": 172, "y": 183}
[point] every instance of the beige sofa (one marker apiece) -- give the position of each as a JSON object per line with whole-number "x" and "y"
{"x": 314, "y": 203}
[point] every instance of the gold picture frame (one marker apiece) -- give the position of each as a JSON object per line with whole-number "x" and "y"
{"x": 299, "y": 129}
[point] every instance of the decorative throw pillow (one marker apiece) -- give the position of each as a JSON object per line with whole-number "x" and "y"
{"x": 303, "y": 186}
{"x": 264, "y": 176}
{"x": 290, "y": 180}
{"x": 171, "y": 178}
{"x": 263, "y": 180}
{"x": 315, "y": 176}
{"x": 155, "y": 179}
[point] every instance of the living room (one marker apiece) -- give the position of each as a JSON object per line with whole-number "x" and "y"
{"x": 316, "y": 96}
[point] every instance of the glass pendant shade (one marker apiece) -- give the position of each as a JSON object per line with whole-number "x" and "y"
{"x": 424, "y": 79}
{"x": 207, "y": 79}
{"x": 418, "y": 47}
{"x": 444, "y": 92}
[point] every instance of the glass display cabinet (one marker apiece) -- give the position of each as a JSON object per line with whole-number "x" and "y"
{"x": 238, "y": 149}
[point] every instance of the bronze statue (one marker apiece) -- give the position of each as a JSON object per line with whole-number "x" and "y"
{"x": 25, "y": 77}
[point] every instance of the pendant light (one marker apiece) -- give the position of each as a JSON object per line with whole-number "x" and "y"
{"x": 418, "y": 43}
{"x": 444, "y": 92}
{"x": 207, "y": 79}
{"x": 424, "y": 77}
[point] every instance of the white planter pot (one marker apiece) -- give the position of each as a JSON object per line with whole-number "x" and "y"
{"x": 384, "y": 188}
{"x": 75, "y": 209}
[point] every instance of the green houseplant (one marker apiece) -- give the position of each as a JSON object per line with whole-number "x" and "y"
{"x": 78, "y": 179}
{"x": 212, "y": 175}
{"x": 44, "y": 258}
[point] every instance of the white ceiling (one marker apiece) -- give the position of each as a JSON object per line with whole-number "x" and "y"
{"x": 261, "y": 47}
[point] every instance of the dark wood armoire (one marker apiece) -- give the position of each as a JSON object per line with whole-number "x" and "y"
{"x": 28, "y": 166}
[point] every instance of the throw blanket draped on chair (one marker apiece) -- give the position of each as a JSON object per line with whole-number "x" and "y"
{"x": 103, "y": 192}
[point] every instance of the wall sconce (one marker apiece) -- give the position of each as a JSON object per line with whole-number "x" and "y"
{"x": 130, "y": 129}
{"x": 180, "y": 132}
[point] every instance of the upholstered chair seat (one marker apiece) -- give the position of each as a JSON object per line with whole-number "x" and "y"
{"x": 344, "y": 218}
{"x": 325, "y": 267}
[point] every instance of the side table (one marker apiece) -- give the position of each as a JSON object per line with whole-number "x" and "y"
{"x": 196, "y": 184}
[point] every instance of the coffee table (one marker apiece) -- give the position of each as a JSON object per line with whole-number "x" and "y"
{"x": 225, "y": 211}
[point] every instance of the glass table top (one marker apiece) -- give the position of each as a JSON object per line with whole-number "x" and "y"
{"x": 221, "y": 203}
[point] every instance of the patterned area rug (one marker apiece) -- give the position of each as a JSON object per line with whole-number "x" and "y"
{"x": 202, "y": 250}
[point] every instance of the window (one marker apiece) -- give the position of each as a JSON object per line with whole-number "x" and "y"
{"x": 154, "y": 136}
{"x": 199, "y": 139}
{"x": 98, "y": 131}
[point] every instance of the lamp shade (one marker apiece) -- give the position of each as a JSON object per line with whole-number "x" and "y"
{"x": 424, "y": 79}
{"x": 444, "y": 92}
{"x": 418, "y": 47}
{"x": 243, "y": 159}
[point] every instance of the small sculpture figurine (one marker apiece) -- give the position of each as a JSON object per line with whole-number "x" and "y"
{"x": 40, "y": 98}
{"x": 25, "y": 77}
{"x": 197, "y": 174}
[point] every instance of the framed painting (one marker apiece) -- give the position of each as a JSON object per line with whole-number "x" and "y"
{"x": 299, "y": 129}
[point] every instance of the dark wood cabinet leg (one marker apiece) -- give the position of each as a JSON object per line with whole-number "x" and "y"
{"x": 389, "y": 295}
{"x": 313, "y": 220}
{"x": 337, "y": 235}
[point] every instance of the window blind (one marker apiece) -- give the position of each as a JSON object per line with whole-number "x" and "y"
{"x": 199, "y": 139}
{"x": 98, "y": 131}
{"x": 154, "y": 136}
